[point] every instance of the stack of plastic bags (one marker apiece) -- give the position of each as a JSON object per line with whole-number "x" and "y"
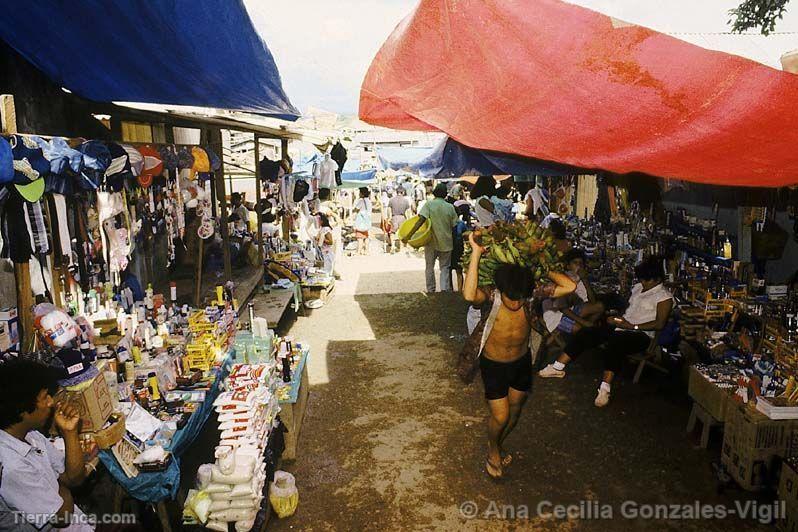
{"x": 231, "y": 489}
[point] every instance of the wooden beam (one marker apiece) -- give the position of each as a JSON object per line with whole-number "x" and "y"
{"x": 8, "y": 124}
{"x": 24, "y": 304}
{"x": 287, "y": 221}
{"x": 258, "y": 231}
{"x": 8, "y": 114}
{"x": 218, "y": 178}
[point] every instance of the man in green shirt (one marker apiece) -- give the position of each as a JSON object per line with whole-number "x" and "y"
{"x": 442, "y": 218}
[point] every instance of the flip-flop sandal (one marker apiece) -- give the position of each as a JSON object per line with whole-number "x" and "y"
{"x": 507, "y": 459}
{"x": 490, "y": 467}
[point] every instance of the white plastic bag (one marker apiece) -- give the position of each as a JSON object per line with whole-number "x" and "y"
{"x": 204, "y": 476}
{"x": 283, "y": 494}
{"x": 217, "y": 487}
{"x": 239, "y": 475}
{"x": 233, "y": 514}
{"x": 225, "y": 459}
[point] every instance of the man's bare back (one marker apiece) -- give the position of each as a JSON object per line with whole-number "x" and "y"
{"x": 509, "y": 337}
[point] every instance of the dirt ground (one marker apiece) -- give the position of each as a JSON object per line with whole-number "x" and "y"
{"x": 393, "y": 441}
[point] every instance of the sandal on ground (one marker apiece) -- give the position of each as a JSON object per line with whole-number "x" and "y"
{"x": 491, "y": 470}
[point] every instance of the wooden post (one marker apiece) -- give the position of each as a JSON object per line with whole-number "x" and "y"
{"x": 198, "y": 289}
{"x": 8, "y": 124}
{"x": 8, "y": 114}
{"x": 258, "y": 230}
{"x": 287, "y": 222}
{"x": 216, "y": 140}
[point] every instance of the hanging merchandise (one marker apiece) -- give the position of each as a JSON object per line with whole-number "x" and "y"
{"x": 269, "y": 170}
{"x": 96, "y": 160}
{"x": 205, "y": 230}
{"x": 153, "y": 166}
{"x": 215, "y": 161}
{"x": 30, "y": 167}
{"x": 201, "y": 165}
{"x": 301, "y": 189}
{"x": 325, "y": 171}
{"x": 6, "y": 162}
{"x": 169, "y": 157}
{"x": 119, "y": 171}
{"x": 136, "y": 159}
{"x": 339, "y": 155}
{"x": 66, "y": 165}
{"x": 185, "y": 160}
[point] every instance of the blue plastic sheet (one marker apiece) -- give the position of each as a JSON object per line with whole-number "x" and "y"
{"x": 186, "y": 52}
{"x": 155, "y": 487}
{"x": 451, "y": 159}
{"x": 296, "y": 379}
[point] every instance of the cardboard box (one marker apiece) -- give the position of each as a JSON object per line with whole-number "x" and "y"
{"x": 712, "y": 398}
{"x": 788, "y": 486}
{"x": 93, "y": 399}
{"x": 754, "y": 445}
{"x": 10, "y": 323}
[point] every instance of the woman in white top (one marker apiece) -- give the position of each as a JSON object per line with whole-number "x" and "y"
{"x": 484, "y": 209}
{"x": 362, "y": 212}
{"x": 326, "y": 243}
{"x": 649, "y": 308}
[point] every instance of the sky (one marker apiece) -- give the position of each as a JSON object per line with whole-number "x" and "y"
{"x": 324, "y": 47}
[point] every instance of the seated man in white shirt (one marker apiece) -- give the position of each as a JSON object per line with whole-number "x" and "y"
{"x": 649, "y": 308}
{"x": 36, "y": 477}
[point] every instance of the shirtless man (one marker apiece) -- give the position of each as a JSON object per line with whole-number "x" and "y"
{"x": 509, "y": 344}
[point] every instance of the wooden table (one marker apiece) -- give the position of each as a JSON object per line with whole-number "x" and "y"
{"x": 292, "y": 412}
{"x": 272, "y": 306}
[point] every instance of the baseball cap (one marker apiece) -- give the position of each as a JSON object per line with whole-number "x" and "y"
{"x": 119, "y": 170}
{"x": 96, "y": 160}
{"x": 6, "y": 162}
{"x": 72, "y": 367}
{"x": 136, "y": 159}
{"x": 168, "y": 156}
{"x": 184, "y": 158}
{"x": 153, "y": 165}
{"x": 30, "y": 167}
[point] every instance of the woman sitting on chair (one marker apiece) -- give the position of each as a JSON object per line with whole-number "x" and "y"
{"x": 649, "y": 308}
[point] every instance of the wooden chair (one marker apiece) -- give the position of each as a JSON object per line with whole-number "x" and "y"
{"x": 650, "y": 357}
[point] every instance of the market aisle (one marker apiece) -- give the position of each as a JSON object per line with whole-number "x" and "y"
{"x": 393, "y": 441}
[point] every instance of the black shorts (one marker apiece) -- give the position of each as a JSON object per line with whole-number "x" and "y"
{"x": 499, "y": 377}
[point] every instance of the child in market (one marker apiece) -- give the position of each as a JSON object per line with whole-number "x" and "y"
{"x": 505, "y": 344}
{"x": 572, "y": 313}
{"x": 326, "y": 243}
{"x": 649, "y": 308}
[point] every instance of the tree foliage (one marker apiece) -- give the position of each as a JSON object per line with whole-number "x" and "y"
{"x": 762, "y": 14}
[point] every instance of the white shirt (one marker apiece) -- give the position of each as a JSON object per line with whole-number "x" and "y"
{"x": 325, "y": 172}
{"x": 270, "y": 230}
{"x": 643, "y": 305}
{"x": 364, "y": 204}
{"x": 29, "y": 481}
{"x": 485, "y": 218}
{"x": 538, "y": 200}
{"x": 552, "y": 308}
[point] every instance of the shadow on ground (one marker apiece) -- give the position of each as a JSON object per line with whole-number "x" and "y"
{"x": 392, "y": 439}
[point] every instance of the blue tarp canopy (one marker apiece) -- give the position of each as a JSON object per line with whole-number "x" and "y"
{"x": 451, "y": 159}
{"x": 360, "y": 178}
{"x": 181, "y": 52}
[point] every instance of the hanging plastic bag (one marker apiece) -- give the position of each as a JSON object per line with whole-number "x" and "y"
{"x": 283, "y": 494}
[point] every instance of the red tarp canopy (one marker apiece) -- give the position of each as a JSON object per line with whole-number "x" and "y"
{"x": 554, "y": 81}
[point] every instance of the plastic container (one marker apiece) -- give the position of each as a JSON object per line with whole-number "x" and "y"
{"x": 421, "y": 237}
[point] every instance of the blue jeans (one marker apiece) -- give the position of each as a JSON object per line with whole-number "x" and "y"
{"x": 444, "y": 263}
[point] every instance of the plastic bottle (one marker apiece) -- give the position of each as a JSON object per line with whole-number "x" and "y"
{"x": 152, "y": 381}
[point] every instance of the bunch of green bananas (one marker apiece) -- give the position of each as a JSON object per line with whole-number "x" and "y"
{"x": 522, "y": 242}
